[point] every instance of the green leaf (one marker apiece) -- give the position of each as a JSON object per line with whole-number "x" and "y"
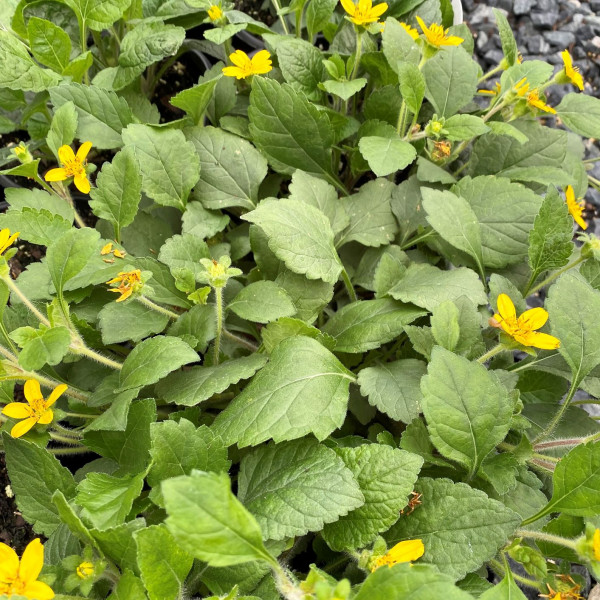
{"x": 35, "y": 475}
{"x": 428, "y": 286}
{"x": 394, "y": 388}
{"x": 36, "y": 226}
{"x": 372, "y": 222}
{"x": 50, "y": 45}
{"x": 344, "y": 89}
{"x": 129, "y": 321}
{"x": 286, "y": 327}
{"x": 321, "y": 195}
{"x": 581, "y": 114}
{"x": 168, "y": 163}
{"x": 368, "y": 324}
{"x": 296, "y": 487}
{"x": 506, "y": 212}
{"x": 107, "y": 500}
{"x": 179, "y": 448}
{"x": 507, "y": 38}
{"x": 152, "y": 360}
{"x": 18, "y": 71}
{"x": 102, "y": 114}
{"x": 118, "y": 191}
{"x": 301, "y": 64}
{"x": 164, "y": 566}
{"x": 573, "y": 306}
{"x": 386, "y": 156}
{"x": 262, "y": 302}
{"x": 402, "y": 581}
{"x": 199, "y": 322}
{"x": 451, "y": 78}
{"x": 195, "y": 100}
{"x": 461, "y": 527}
{"x": 210, "y": 523}
{"x": 99, "y": 15}
{"x": 300, "y": 235}
{"x": 412, "y": 86}
{"x": 63, "y": 127}
{"x": 202, "y": 223}
{"x": 467, "y": 408}
{"x": 231, "y": 169}
{"x": 129, "y": 587}
{"x": 119, "y": 545}
{"x": 43, "y": 346}
{"x": 130, "y": 447}
{"x": 502, "y": 128}
{"x": 398, "y": 46}
{"x": 289, "y": 130}
{"x": 550, "y": 239}
{"x": 221, "y": 34}
{"x": 20, "y": 198}
{"x": 452, "y": 217}
{"x": 69, "y": 254}
{"x": 464, "y": 127}
{"x": 184, "y": 252}
{"x": 303, "y": 389}
{"x": 507, "y": 589}
{"x": 318, "y": 14}
{"x": 386, "y": 477}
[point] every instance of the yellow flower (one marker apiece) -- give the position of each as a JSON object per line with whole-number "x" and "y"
{"x": 414, "y": 34}
{"x": 20, "y": 579}
{"x": 130, "y": 281}
{"x": 7, "y": 240}
{"x": 534, "y": 100}
{"x": 521, "y": 87}
{"x": 72, "y": 166}
{"x": 245, "y": 66}
{"x": 572, "y": 72}
{"x": 437, "y": 36}
{"x": 364, "y": 12}
{"x": 405, "y": 551}
{"x": 495, "y": 92}
{"x": 596, "y": 542}
{"x": 575, "y": 207}
{"x": 85, "y": 570}
{"x": 522, "y": 329}
{"x": 37, "y": 410}
{"x": 215, "y": 13}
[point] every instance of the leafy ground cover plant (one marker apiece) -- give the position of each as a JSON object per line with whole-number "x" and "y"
{"x": 325, "y": 335}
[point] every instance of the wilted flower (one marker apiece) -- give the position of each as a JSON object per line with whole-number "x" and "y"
{"x": 129, "y": 282}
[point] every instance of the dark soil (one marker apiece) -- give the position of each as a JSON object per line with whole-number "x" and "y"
{"x": 257, "y": 9}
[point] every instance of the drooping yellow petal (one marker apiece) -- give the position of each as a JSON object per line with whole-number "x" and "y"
{"x": 572, "y": 72}
{"x": 32, "y": 561}
{"x": 534, "y": 318}
{"x": 106, "y": 249}
{"x": 56, "y": 393}
{"x": 82, "y": 183}
{"x": 17, "y": 410}
{"x": 349, "y": 7}
{"x": 32, "y": 391}
{"x": 533, "y": 99}
{"x": 9, "y": 562}
{"x": 83, "y": 151}
{"x": 66, "y": 154}
{"x": 56, "y": 175}
{"x": 543, "y": 341}
{"x": 124, "y": 295}
{"x": 506, "y": 308}
{"x": 233, "y": 72}
{"x": 38, "y": 590}
{"x": 575, "y": 207}
{"x": 46, "y": 417}
{"x": 22, "y": 427}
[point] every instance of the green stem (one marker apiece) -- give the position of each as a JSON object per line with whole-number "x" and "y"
{"x": 545, "y": 537}
{"x": 70, "y": 450}
{"x": 502, "y": 571}
{"x": 401, "y": 119}
{"x": 551, "y": 459}
{"x": 14, "y": 288}
{"x": 281, "y": 17}
{"x": 592, "y": 160}
{"x": 417, "y": 239}
{"x": 156, "y": 307}
{"x": 594, "y": 180}
{"x": 349, "y": 286}
{"x": 568, "y": 443}
{"x": 554, "y": 276}
{"x": 63, "y": 439}
{"x": 547, "y": 432}
{"x": 591, "y": 438}
{"x": 490, "y": 73}
{"x": 584, "y": 402}
{"x": 219, "y": 315}
{"x": 80, "y": 349}
{"x": 491, "y": 353}
{"x": 240, "y": 340}
{"x": 69, "y": 433}
{"x": 358, "y": 54}
{"x": 80, "y": 415}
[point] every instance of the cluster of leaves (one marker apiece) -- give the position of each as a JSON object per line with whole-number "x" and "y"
{"x": 303, "y": 368}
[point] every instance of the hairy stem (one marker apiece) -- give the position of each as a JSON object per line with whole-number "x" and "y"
{"x": 545, "y": 537}
{"x": 491, "y": 353}
{"x": 156, "y": 307}
{"x": 219, "y": 315}
{"x": 547, "y": 432}
{"x": 552, "y": 277}
{"x": 349, "y": 286}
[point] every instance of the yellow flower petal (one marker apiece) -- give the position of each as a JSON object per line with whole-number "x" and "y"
{"x": 83, "y": 151}
{"x": 124, "y": 295}
{"x": 534, "y": 318}
{"x": 46, "y": 417}
{"x": 233, "y": 72}
{"x": 56, "y": 175}
{"x": 239, "y": 58}
{"x": 406, "y": 551}
{"x": 453, "y": 40}
{"x": 506, "y": 308}
{"x": 597, "y": 544}
{"x": 32, "y": 561}
{"x": 23, "y": 427}
{"x": 349, "y": 7}
{"x": 17, "y": 410}
{"x": 38, "y": 590}
{"x": 56, "y": 393}
{"x": 378, "y": 10}
{"x": 33, "y": 391}
{"x": 66, "y": 154}
{"x": 9, "y": 562}
{"x": 82, "y": 183}
{"x": 106, "y": 249}
{"x": 543, "y": 341}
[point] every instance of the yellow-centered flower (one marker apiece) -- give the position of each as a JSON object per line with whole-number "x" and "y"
{"x": 73, "y": 165}
{"x": 19, "y": 578}
{"x": 7, "y": 240}
{"x": 534, "y": 100}
{"x": 572, "y": 72}
{"x": 215, "y": 13}
{"x": 414, "y": 34}
{"x": 575, "y": 207}
{"x": 437, "y": 36}
{"x": 522, "y": 329}
{"x": 37, "y": 409}
{"x": 245, "y": 66}
{"x": 364, "y": 12}
{"x": 129, "y": 282}
{"x": 405, "y": 551}
{"x": 85, "y": 570}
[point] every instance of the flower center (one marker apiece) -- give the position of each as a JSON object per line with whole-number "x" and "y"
{"x": 12, "y": 586}
{"x": 38, "y": 407}
{"x": 74, "y": 167}
{"x": 436, "y": 34}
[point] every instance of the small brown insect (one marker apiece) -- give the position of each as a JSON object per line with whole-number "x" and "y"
{"x": 412, "y": 503}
